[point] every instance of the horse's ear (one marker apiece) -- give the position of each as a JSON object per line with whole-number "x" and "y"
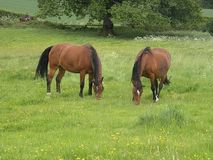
{"x": 102, "y": 79}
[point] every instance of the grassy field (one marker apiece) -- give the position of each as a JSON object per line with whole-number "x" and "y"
{"x": 34, "y": 126}
{"x": 207, "y": 12}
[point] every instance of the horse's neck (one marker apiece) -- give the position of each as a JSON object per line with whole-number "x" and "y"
{"x": 98, "y": 75}
{"x": 99, "y": 70}
{"x": 141, "y": 64}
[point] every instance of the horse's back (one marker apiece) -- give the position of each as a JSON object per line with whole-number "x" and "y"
{"x": 157, "y": 62}
{"x": 161, "y": 54}
{"x": 73, "y": 58}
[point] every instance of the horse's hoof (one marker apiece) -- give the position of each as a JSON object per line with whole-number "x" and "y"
{"x": 80, "y": 95}
{"x": 89, "y": 94}
{"x": 48, "y": 93}
{"x": 156, "y": 99}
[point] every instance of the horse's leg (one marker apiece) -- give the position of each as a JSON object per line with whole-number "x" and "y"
{"x": 90, "y": 84}
{"x": 166, "y": 81}
{"x": 156, "y": 87}
{"x": 82, "y": 77}
{"x": 49, "y": 79}
{"x": 58, "y": 79}
{"x": 160, "y": 86}
{"x": 153, "y": 88}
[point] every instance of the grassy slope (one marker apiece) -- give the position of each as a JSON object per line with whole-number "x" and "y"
{"x": 34, "y": 126}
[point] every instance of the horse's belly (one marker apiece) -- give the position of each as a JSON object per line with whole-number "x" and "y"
{"x": 76, "y": 68}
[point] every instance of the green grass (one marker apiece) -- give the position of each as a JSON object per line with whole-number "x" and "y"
{"x": 207, "y": 12}
{"x": 34, "y": 126}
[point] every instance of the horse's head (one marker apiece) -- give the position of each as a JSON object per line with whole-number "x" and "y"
{"x": 98, "y": 88}
{"x": 137, "y": 91}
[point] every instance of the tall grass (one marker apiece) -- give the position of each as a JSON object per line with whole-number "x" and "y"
{"x": 168, "y": 116}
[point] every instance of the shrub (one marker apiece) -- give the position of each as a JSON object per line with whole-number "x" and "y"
{"x": 209, "y": 25}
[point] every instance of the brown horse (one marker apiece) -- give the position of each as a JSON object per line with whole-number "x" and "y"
{"x": 81, "y": 59}
{"x": 153, "y": 64}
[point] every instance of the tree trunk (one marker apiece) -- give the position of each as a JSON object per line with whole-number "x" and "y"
{"x": 107, "y": 26}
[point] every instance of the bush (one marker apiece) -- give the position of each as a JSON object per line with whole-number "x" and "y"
{"x": 7, "y": 18}
{"x": 140, "y": 16}
{"x": 9, "y": 14}
{"x": 209, "y": 26}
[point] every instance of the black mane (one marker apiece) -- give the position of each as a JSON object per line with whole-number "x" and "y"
{"x": 136, "y": 68}
{"x": 136, "y": 74}
{"x": 135, "y": 71}
{"x": 147, "y": 50}
{"x": 95, "y": 63}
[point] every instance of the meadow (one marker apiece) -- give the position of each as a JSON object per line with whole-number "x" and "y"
{"x": 34, "y": 126}
{"x": 66, "y": 127}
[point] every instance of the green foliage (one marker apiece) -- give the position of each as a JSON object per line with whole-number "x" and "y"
{"x": 8, "y": 18}
{"x": 184, "y": 14}
{"x": 95, "y": 9}
{"x": 209, "y": 25}
{"x": 148, "y": 15}
{"x": 206, "y": 3}
{"x": 160, "y": 14}
{"x": 140, "y": 16}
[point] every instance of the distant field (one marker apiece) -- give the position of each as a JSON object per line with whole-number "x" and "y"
{"x": 19, "y": 6}
{"x": 207, "y": 12}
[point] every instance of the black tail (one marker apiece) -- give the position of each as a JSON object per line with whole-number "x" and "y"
{"x": 42, "y": 68}
{"x": 166, "y": 81}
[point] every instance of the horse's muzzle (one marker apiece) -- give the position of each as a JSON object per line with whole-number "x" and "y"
{"x": 98, "y": 97}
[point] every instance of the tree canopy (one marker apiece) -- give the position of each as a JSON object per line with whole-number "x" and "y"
{"x": 144, "y": 14}
{"x": 207, "y": 3}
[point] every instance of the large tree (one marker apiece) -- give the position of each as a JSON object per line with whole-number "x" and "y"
{"x": 144, "y": 14}
{"x": 95, "y": 9}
